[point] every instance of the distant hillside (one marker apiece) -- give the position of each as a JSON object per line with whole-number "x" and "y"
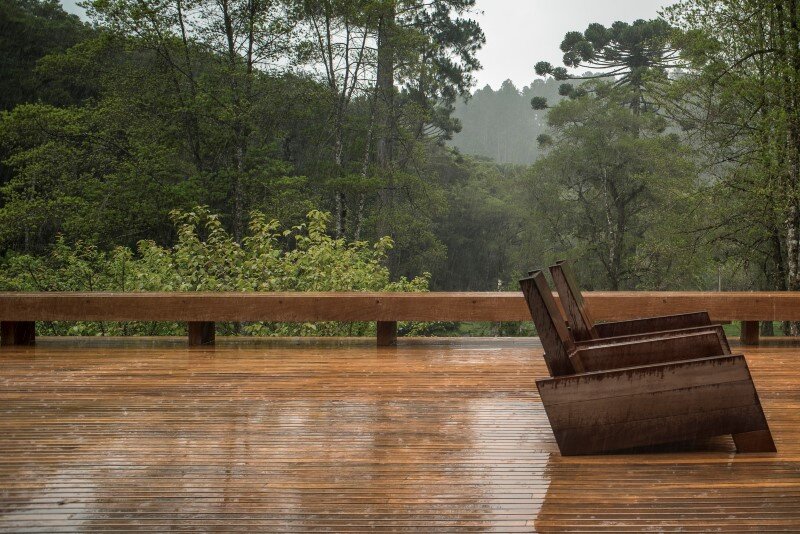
{"x": 501, "y": 124}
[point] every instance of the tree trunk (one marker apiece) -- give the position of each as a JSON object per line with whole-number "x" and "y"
{"x": 791, "y": 45}
{"x": 341, "y": 199}
{"x": 362, "y": 197}
{"x": 192, "y": 124}
{"x": 385, "y": 121}
{"x": 385, "y": 87}
{"x": 238, "y": 125}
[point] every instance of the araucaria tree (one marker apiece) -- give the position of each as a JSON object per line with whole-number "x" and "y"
{"x": 627, "y": 54}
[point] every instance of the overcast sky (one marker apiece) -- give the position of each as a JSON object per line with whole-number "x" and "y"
{"x": 521, "y": 32}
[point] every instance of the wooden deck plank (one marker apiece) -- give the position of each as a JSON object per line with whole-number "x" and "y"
{"x": 441, "y": 435}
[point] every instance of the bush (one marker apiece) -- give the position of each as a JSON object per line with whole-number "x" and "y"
{"x": 207, "y": 258}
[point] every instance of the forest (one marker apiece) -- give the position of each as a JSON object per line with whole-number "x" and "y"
{"x": 343, "y": 145}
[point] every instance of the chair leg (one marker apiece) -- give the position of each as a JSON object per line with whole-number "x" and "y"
{"x": 757, "y": 441}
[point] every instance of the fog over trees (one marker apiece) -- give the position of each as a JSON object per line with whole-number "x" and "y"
{"x": 501, "y": 125}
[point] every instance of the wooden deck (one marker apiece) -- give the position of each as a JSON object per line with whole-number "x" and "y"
{"x": 445, "y": 435}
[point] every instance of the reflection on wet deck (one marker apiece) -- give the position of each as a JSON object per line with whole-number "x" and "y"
{"x": 445, "y": 435}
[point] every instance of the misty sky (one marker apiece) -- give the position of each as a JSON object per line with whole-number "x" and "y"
{"x": 521, "y": 32}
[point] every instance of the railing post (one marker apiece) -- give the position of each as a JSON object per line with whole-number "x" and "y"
{"x": 201, "y": 333}
{"x": 17, "y": 333}
{"x": 387, "y": 333}
{"x": 750, "y": 333}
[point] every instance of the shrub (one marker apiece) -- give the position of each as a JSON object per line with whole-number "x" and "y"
{"x": 207, "y": 258}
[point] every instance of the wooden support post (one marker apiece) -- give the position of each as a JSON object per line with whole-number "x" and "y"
{"x": 750, "y": 333}
{"x": 387, "y": 333}
{"x": 201, "y": 333}
{"x": 17, "y": 333}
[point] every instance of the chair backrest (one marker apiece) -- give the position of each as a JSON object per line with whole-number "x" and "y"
{"x": 580, "y": 320}
{"x": 550, "y": 326}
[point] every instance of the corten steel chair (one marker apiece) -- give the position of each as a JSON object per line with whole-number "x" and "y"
{"x": 633, "y": 391}
{"x": 583, "y": 326}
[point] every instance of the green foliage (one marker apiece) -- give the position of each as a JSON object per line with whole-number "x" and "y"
{"x": 30, "y": 30}
{"x": 740, "y": 97}
{"x": 481, "y": 228}
{"x": 110, "y": 171}
{"x": 440, "y": 43}
{"x": 611, "y": 191}
{"x": 207, "y": 258}
{"x": 538, "y": 103}
{"x": 76, "y": 173}
{"x": 655, "y": 179}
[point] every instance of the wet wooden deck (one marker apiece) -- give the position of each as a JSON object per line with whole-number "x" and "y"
{"x": 343, "y": 436}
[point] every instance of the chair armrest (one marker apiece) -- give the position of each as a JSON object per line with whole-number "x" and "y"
{"x": 660, "y": 335}
{"x": 670, "y": 347}
{"x": 652, "y": 324}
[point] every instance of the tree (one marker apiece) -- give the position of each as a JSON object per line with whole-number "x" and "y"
{"x": 630, "y": 54}
{"x": 30, "y": 30}
{"x": 341, "y": 34}
{"x": 481, "y": 227}
{"x": 609, "y": 178}
{"x": 429, "y": 49}
{"x": 426, "y": 52}
{"x": 447, "y": 59}
{"x": 740, "y": 99}
{"x": 215, "y": 54}
{"x": 399, "y": 66}
{"x": 498, "y": 124}
{"x": 110, "y": 170}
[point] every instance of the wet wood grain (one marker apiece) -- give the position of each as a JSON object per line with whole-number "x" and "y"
{"x": 337, "y": 435}
{"x": 614, "y": 353}
{"x": 593, "y": 413}
{"x": 459, "y": 306}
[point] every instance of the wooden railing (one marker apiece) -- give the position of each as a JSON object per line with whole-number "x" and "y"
{"x": 20, "y": 311}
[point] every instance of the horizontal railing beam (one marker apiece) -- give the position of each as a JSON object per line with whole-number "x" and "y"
{"x": 278, "y": 307}
{"x": 380, "y": 307}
